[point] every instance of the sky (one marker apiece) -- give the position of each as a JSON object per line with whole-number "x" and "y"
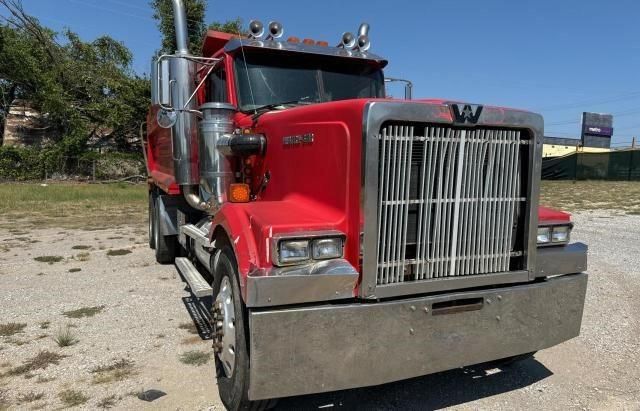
{"x": 555, "y": 57}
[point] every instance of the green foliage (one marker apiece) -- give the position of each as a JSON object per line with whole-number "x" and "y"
{"x": 85, "y": 89}
{"x": 163, "y": 13}
{"x": 231, "y": 26}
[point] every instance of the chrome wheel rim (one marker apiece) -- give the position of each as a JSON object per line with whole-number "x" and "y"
{"x": 224, "y": 327}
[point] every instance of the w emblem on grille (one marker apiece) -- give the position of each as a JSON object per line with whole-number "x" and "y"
{"x": 466, "y": 114}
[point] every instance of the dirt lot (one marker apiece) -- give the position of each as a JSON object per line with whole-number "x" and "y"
{"x": 128, "y": 325}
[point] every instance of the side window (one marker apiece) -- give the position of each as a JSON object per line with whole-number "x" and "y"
{"x": 217, "y": 90}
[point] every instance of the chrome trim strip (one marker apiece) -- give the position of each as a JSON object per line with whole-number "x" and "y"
{"x": 376, "y": 113}
{"x": 314, "y": 282}
{"x": 339, "y": 346}
{"x": 560, "y": 260}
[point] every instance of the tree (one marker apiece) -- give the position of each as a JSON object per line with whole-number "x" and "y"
{"x": 85, "y": 89}
{"x": 231, "y": 27}
{"x": 163, "y": 13}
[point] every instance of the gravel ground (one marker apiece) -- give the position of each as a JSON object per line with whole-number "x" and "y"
{"x": 144, "y": 320}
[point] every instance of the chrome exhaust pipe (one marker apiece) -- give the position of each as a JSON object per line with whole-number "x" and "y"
{"x": 180, "y": 23}
{"x": 185, "y": 135}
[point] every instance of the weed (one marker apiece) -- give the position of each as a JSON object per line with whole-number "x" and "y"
{"x": 17, "y": 342}
{"x": 65, "y": 337}
{"x": 112, "y": 253}
{"x": 41, "y": 361}
{"x": 30, "y": 397}
{"x": 42, "y": 336}
{"x": 117, "y": 371}
{"x": 72, "y": 398}
{"x": 191, "y": 327}
{"x": 160, "y": 336}
{"x": 4, "y": 400}
{"x": 43, "y": 380}
{"x": 84, "y": 312}
{"x": 107, "y": 402}
{"x": 11, "y": 328}
{"x": 75, "y": 270}
{"x": 45, "y": 324}
{"x": 196, "y": 358}
{"x": 81, "y": 247}
{"x": 191, "y": 340}
{"x": 40, "y": 274}
{"x": 114, "y": 238}
{"x": 83, "y": 257}
{"x": 49, "y": 259}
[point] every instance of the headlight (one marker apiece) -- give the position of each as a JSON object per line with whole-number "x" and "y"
{"x": 301, "y": 248}
{"x": 544, "y": 235}
{"x": 554, "y": 235}
{"x": 327, "y": 248}
{"x": 292, "y": 251}
{"x": 560, "y": 234}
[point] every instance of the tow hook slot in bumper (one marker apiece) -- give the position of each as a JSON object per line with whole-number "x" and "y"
{"x": 457, "y": 306}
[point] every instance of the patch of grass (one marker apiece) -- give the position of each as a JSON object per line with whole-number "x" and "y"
{"x": 74, "y": 270}
{"x": 73, "y": 205}
{"x": 44, "y": 380}
{"x": 107, "y": 402}
{"x": 30, "y": 397}
{"x": 41, "y": 361}
{"x": 190, "y": 327}
{"x": 81, "y": 247}
{"x": 83, "y": 257}
{"x": 72, "y": 398}
{"x": 45, "y": 324}
{"x": 65, "y": 337}
{"x": 194, "y": 357}
{"x": 191, "y": 340}
{"x": 17, "y": 342}
{"x": 117, "y": 371}
{"x": 49, "y": 259}
{"x": 112, "y": 253}
{"x": 84, "y": 312}
{"x": 4, "y": 400}
{"x": 8, "y": 329}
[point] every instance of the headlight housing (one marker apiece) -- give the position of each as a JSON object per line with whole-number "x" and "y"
{"x": 304, "y": 247}
{"x": 554, "y": 234}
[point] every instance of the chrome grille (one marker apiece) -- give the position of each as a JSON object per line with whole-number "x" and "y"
{"x": 449, "y": 201}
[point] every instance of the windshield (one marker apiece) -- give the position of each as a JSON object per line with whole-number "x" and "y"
{"x": 292, "y": 78}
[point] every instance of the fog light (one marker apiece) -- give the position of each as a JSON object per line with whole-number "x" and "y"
{"x": 544, "y": 235}
{"x": 292, "y": 251}
{"x": 326, "y": 248}
{"x": 560, "y": 234}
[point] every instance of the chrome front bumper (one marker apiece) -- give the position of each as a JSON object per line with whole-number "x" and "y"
{"x": 332, "y": 347}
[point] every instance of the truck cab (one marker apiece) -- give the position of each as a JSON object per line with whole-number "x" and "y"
{"x": 345, "y": 237}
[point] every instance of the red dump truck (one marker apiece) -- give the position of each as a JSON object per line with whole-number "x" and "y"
{"x": 347, "y": 239}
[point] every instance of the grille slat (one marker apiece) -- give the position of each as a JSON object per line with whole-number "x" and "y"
{"x": 448, "y": 201}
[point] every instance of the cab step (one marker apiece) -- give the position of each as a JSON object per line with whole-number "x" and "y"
{"x": 199, "y": 286}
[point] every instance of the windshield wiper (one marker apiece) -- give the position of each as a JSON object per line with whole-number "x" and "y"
{"x": 268, "y": 107}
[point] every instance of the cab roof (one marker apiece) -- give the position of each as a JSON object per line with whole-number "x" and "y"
{"x": 215, "y": 40}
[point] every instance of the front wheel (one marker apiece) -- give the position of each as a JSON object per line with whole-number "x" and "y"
{"x": 230, "y": 333}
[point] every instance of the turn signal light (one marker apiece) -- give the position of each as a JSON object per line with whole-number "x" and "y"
{"x": 308, "y": 42}
{"x": 239, "y": 193}
{"x": 322, "y": 43}
{"x": 293, "y": 39}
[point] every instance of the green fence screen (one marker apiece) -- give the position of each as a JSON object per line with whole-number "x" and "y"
{"x": 614, "y": 165}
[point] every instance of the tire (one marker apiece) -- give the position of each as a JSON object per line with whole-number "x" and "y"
{"x": 165, "y": 245}
{"x": 234, "y": 390}
{"x": 152, "y": 223}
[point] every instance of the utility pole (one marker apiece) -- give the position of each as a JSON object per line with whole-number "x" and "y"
{"x": 633, "y": 142}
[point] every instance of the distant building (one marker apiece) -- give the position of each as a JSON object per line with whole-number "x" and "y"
{"x": 25, "y": 126}
{"x": 561, "y": 146}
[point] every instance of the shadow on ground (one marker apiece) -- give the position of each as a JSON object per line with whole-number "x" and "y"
{"x": 436, "y": 391}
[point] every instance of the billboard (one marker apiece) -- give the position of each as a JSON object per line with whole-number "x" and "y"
{"x": 597, "y": 130}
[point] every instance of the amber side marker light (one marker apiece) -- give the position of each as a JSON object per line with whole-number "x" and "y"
{"x": 239, "y": 193}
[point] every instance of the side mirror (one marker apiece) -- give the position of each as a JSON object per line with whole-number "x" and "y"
{"x": 160, "y": 82}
